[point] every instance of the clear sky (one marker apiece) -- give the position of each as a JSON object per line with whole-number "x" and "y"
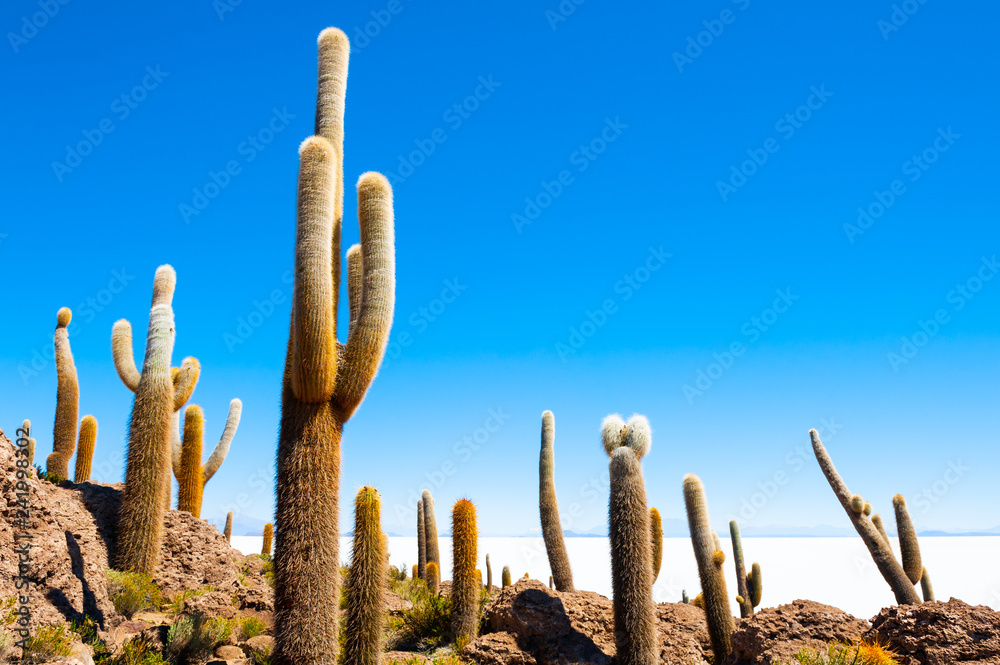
{"x": 597, "y": 204}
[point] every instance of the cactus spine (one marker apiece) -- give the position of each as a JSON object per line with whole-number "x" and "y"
{"x": 191, "y": 474}
{"x": 465, "y": 585}
{"x": 631, "y": 558}
{"x": 67, "y": 399}
{"x": 325, "y": 381}
{"x": 908, "y": 547}
{"x": 265, "y": 548}
{"x": 433, "y": 577}
{"x": 893, "y": 573}
{"x": 505, "y": 577}
{"x": 421, "y": 543}
{"x": 365, "y": 584}
{"x": 489, "y": 575}
{"x": 656, "y": 539}
{"x": 710, "y": 560}
{"x": 228, "y": 531}
{"x": 548, "y": 507}
{"x": 926, "y": 590}
{"x": 85, "y": 449}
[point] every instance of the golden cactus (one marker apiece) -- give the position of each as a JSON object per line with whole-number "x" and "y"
{"x": 85, "y": 449}
{"x": 465, "y": 584}
{"x": 67, "y": 399}
{"x": 364, "y": 617}
{"x": 191, "y": 474}
{"x": 265, "y": 548}
{"x": 656, "y": 539}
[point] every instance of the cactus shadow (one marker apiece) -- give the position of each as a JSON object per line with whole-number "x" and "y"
{"x": 59, "y": 599}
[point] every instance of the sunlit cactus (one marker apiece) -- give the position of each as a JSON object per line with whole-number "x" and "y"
{"x": 877, "y": 521}
{"x": 191, "y": 474}
{"x": 67, "y": 399}
{"x": 746, "y": 607}
{"x": 656, "y": 539}
{"x": 85, "y": 449}
{"x": 430, "y": 529}
{"x": 710, "y": 560}
{"x": 465, "y": 584}
{"x": 365, "y": 585}
{"x": 265, "y": 548}
{"x": 421, "y": 543}
{"x": 433, "y": 577}
{"x": 756, "y": 585}
{"x": 548, "y": 507}
{"x": 505, "y": 577}
{"x": 909, "y": 548}
{"x": 228, "y": 531}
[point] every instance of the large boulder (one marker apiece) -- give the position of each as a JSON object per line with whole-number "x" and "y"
{"x": 778, "y": 633}
{"x": 940, "y": 632}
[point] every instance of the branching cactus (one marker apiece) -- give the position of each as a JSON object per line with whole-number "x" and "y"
{"x": 886, "y": 563}
{"x": 67, "y": 399}
{"x": 548, "y": 507}
{"x": 265, "y": 548}
{"x": 140, "y": 530}
{"x": 742, "y": 586}
{"x": 710, "y": 560}
{"x": 191, "y": 474}
{"x": 430, "y": 530}
{"x": 421, "y": 543}
{"x": 365, "y": 585}
{"x": 909, "y": 548}
{"x": 465, "y": 583}
{"x": 656, "y": 540}
{"x": 433, "y": 577}
{"x": 228, "y": 531}
{"x": 325, "y": 381}
{"x": 505, "y": 577}
{"x": 85, "y": 449}
{"x": 629, "y": 531}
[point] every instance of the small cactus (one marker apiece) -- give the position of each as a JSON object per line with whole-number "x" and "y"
{"x": 858, "y": 504}
{"x": 656, "y": 538}
{"x": 465, "y": 585}
{"x": 192, "y": 475}
{"x": 684, "y": 597}
{"x": 433, "y": 577}
{"x": 489, "y": 575}
{"x": 742, "y": 579}
{"x": 414, "y": 574}
{"x": 421, "y": 543}
{"x": 85, "y": 449}
{"x": 365, "y": 585}
{"x": 548, "y": 507}
{"x": 228, "y": 531}
{"x": 756, "y": 585}
{"x": 430, "y": 530}
{"x": 67, "y": 399}
{"x": 505, "y": 577}
{"x": 265, "y": 548}
{"x": 909, "y": 548}
{"x": 710, "y": 560}
{"x": 926, "y": 590}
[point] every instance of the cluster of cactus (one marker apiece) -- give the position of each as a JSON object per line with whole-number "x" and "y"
{"x": 465, "y": 585}
{"x": 365, "y": 586}
{"x": 629, "y": 536}
{"x": 710, "y": 558}
{"x": 325, "y": 381}
{"x": 749, "y": 585}
{"x": 548, "y": 508}
{"x": 191, "y": 474}
{"x": 901, "y": 578}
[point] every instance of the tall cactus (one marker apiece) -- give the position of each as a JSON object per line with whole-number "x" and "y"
{"x": 742, "y": 586}
{"x": 67, "y": 399}
{"x": 505, "y": 577}
{"x": 710, "y": 560}
{"x": 325, "y": 381}
{"x": 85, "y": 449}
{"x": 192, "y": 475}
{"x": 365, "y": 584}
{"x": 140, "y": 531}
{"x": 430, "y": 529}
{"x": 631, "y": 557}
{"x": 228, "y": 530}
{"x": 893, "y": 573}
{"x": 265, "y": 547}
{"x": 656, "y": 539}
{"x": 909, "y": 548}
{"x": 548, "y": 508}
{"x": 465, "y": 584}
{"x": 421, "y": 543}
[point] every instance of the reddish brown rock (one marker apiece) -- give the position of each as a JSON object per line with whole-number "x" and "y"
{"x": 940, "y": 632}
{"x": 777, "y": 633}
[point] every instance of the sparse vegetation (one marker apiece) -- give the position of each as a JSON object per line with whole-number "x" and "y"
{"x": 178, "y": 601}
{"x": 193, "y": 637}
{"x": 838, "y": 653}
{"x": 425, "y": 625}
{"x": 140, "y": 650}
{"x": 251, "y": 627}
{"x": 48, "y": 643}
{"x": 132, "y": 592}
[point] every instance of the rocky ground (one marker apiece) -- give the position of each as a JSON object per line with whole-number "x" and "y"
{"x": 74, "y": 529}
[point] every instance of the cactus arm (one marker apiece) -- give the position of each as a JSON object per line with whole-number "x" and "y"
{"x": 926, "y": 590}
{"x": 877, "y": 521}
{"x": 121, "y": 351}
{"x": 746, "y": 606}
{"x": 218, "y": 455}
{"x": 354, "y": 282}
{"x": 756, "y": 584}
{"x": 548, "y": 506}
{"x": 891, "y": 570}
{"x": 656, "y": 538}
{"x": 185, "y": 380}
{"x": 909, "y": 548}
{"x": 367, "y": 339}
{"x": 164, "y": 283}
{"x": 612, "y": 433}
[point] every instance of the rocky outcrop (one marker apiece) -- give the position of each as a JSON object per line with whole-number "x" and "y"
{"x": 777, "y": 633}
{"x": 938, "y": 633}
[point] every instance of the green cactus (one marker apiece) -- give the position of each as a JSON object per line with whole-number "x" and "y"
{"x": 489, "y": 575}
{"x": 430, "y": 529}
{"x": 67, "y": 399}
{"x": 191, "y": 474}
{"x": 742, "y": 586}
{"x": 548, "y": 508}
{"x": 877, "y": 521}
{"x": 684, "y": 597}
{"x": 656, "y": 539}
{"x": 926, "y": 590}
{"x": 325, "y": 381}
{"x": 265, "y": 548}
{"x": 893, "y": 573}
{"x": 421, "y": 543}
{"x": 629, "y": 535}
{"x": 505, "y": 577}
{"x": 85, "y": 449}
{"x": 909, "y": 549}
{"x": 465, "y": 585}
{"x": 365, "y": 585}
{"x": 755, "y": 585}
{"x": 710, "y": 560}
{"x": 433, "y": 577}
{"x": 228, "y": 531}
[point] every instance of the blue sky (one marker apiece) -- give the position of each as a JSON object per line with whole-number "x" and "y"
{"x": 595, "y": 204}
